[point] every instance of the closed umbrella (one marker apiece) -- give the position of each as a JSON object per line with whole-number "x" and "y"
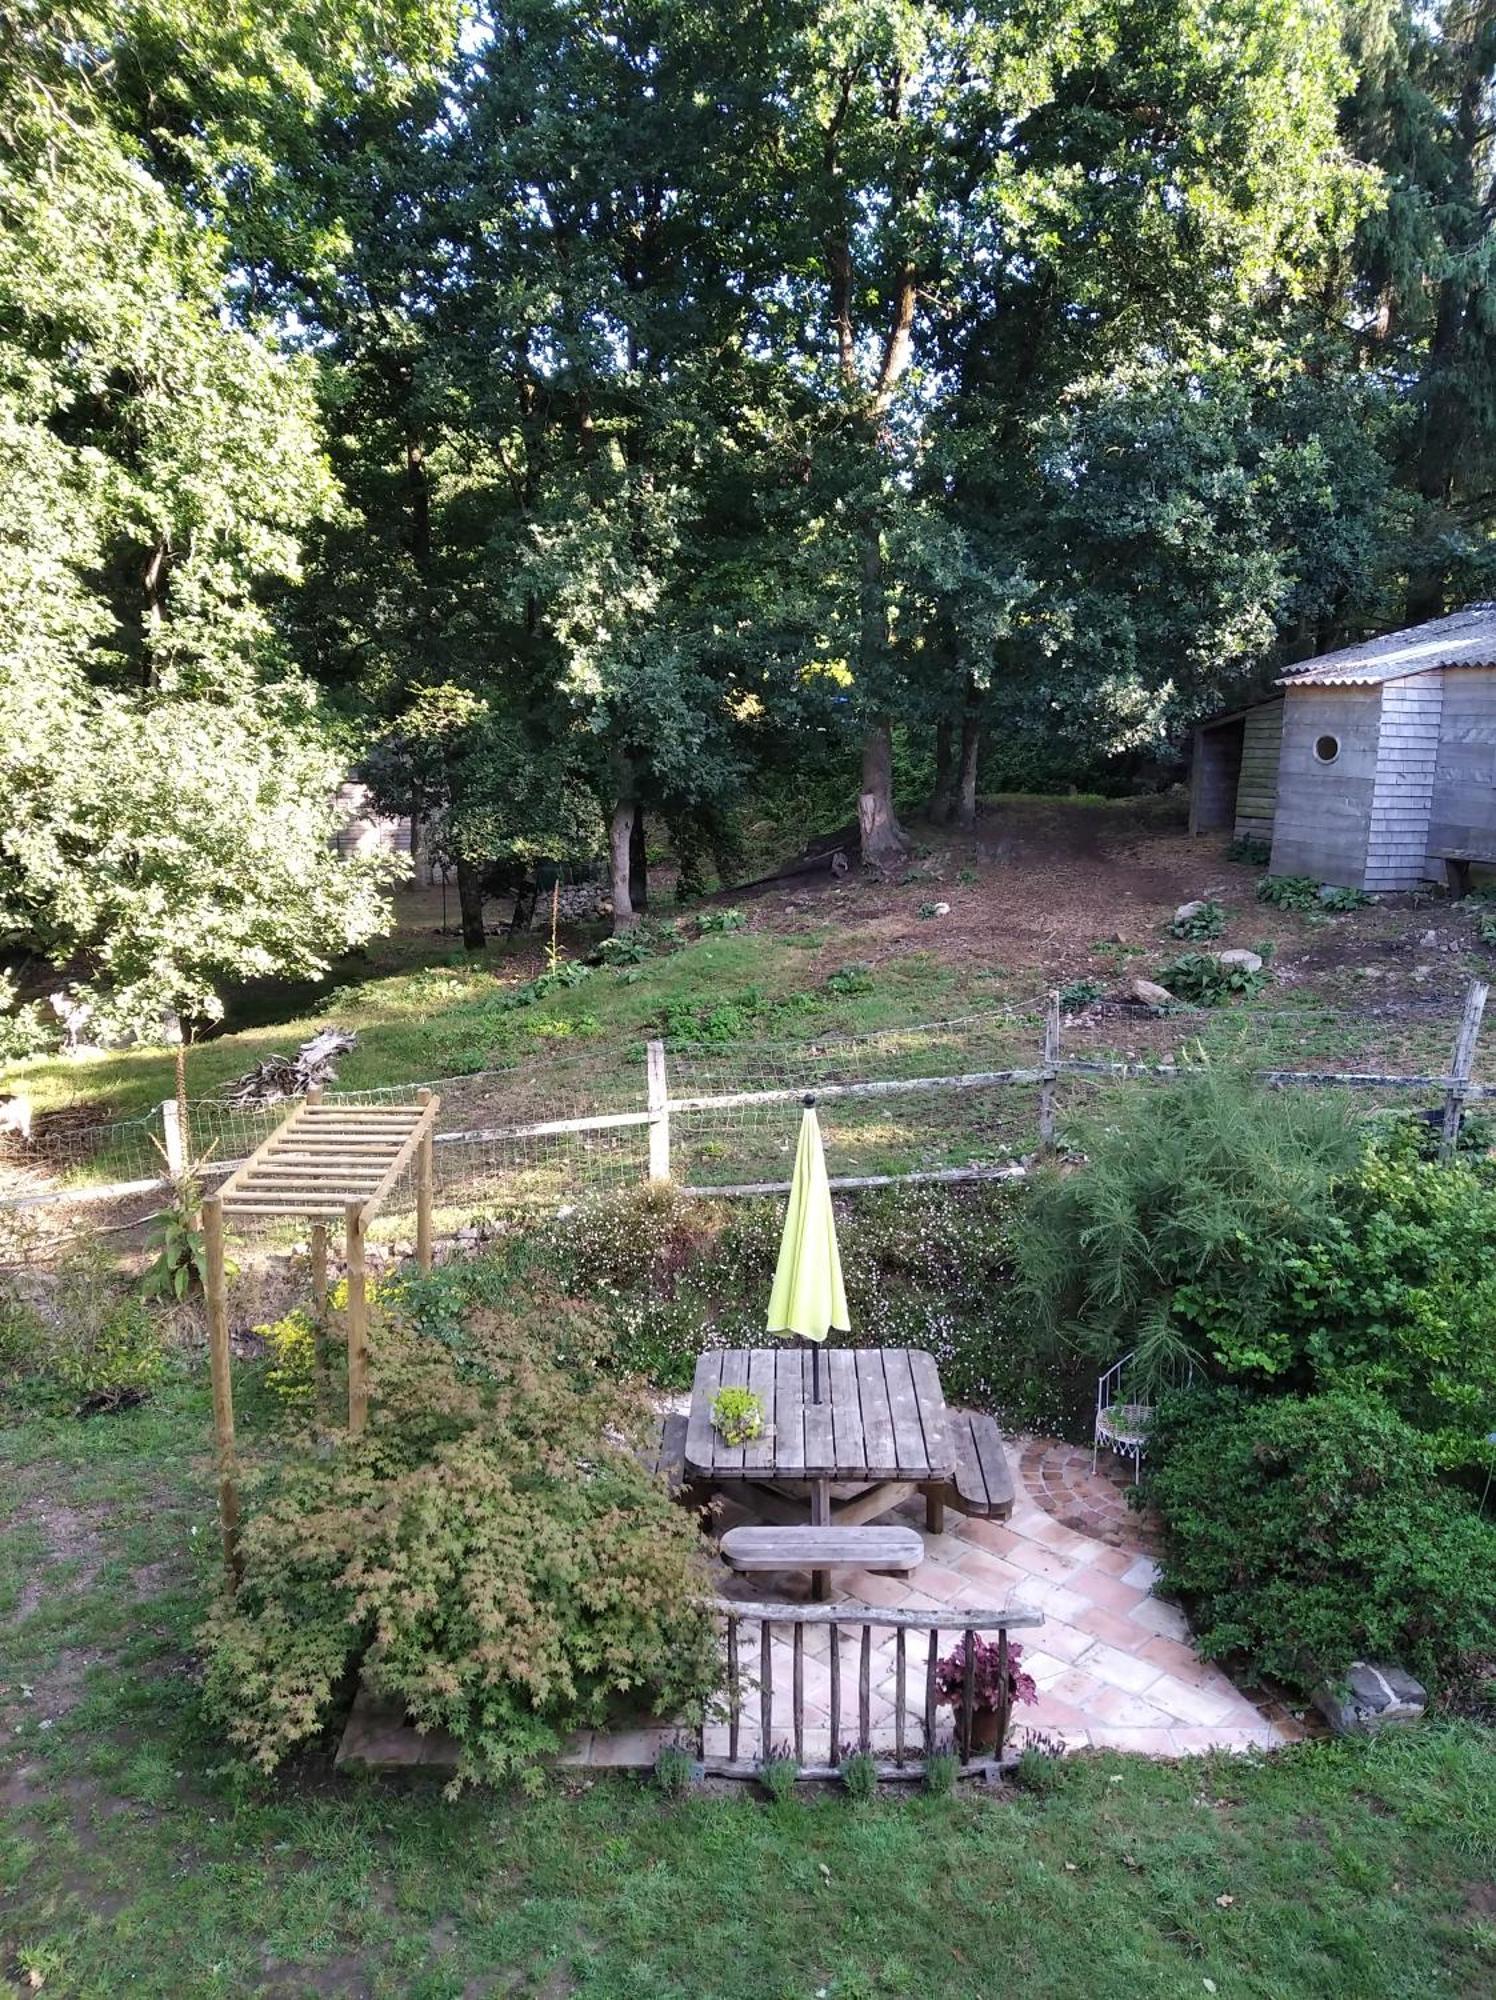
{"x": 809, "y": 1298}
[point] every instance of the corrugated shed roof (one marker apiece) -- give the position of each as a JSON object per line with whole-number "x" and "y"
{"x": 1464, "y": 639}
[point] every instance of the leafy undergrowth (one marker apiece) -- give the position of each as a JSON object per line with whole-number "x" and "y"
{"x": 131, "y": 1860}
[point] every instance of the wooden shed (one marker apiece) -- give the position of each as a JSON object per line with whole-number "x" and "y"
{"x": 1375, "y": 769}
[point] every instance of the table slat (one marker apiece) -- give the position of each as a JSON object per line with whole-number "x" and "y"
{"x": 789, "y": 1411}
{"x": 903, "y": 1406}
{"x": 940, "y": 1445}
{"x": 877, "y": 1418}
{"x": 701, "y": 1439}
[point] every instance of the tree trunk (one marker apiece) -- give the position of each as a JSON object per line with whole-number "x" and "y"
{"x": 470, "y": 903}
{"x": 620, "y": 847}
{"x": 943, "y": 797}
{"x": 638, "y": 867}
{"x": 883, "y": 843}
{"x": 971, "y": 745}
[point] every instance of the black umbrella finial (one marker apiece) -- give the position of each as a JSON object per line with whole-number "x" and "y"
{"x": 809, "y": 1100}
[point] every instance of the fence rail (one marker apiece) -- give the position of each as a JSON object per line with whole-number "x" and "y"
{"x": 912, "y": 1106}
{"x": 790, "y": 1644}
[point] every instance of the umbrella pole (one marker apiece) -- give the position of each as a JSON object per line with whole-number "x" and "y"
{"x": 815, "y": 1372}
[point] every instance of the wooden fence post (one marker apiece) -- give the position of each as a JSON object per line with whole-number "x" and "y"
{"x": 358, "y": 1322}
{"x": 659, "y": 1112}
{"x": 1051, "y": 1072}
{"x": 173, "y": 1138}
{"x": 1461, "y": 1066}
{"x": 425, "y": 1161}
{"x": 223, "y": 1391}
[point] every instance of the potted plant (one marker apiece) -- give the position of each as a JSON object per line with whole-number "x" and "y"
{"x": 738, "y": 1414}
{"x": 991, "y": 1704}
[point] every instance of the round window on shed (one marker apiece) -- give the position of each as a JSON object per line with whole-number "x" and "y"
{"x": 1327, "y": 749}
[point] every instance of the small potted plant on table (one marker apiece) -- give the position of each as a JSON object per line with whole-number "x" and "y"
{"x": 991, "y": 1701}
{"x": 738, "y": 1414}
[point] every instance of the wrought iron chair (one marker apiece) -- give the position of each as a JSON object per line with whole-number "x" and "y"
{"x": 1122, "y": 1421}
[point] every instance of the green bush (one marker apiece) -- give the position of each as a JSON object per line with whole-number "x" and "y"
{"x": 1080, "y": 993}
{"x": 491, "y": 1551}
{"x": 1397, "y": 1294}
{"x": 1305, "y": 1533}
{"x": 924, "y": 1267}
{"x": 1207, "y": 922}
{"x": 849, "y": 980}
{"x": 1249, "y": 848}
{"x": 1289, "y": 892}
{"x": 1194, "y": 1198}
{"x": 1200, "y": 978}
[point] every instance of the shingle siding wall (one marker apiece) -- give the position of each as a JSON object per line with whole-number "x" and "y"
{"x": 1407, "y": 759}
{"x": 1464, "y": 793}
{"x": 1323, "y": 821}
{"x": 1257, "y": 786}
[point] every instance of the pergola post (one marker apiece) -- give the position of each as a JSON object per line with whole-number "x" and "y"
{"x": 358, "y": 1322}
{"x": 219, "y": 1360}
{"x": 425, "y": 1175}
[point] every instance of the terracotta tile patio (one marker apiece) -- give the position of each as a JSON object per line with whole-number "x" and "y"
{"x": 1112, "y": 1660}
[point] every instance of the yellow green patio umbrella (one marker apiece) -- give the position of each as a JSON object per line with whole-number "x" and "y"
{"x": 808, "y": 1296}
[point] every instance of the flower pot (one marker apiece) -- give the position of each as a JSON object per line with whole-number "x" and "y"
{"x": 984, "y": 1731}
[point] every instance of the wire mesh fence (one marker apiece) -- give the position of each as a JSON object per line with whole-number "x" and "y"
{"x": 954, "y": 1098}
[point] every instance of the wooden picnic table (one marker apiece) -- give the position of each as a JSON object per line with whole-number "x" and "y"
{"x": 881, "y": 1424}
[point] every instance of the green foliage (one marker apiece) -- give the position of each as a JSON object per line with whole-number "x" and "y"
{"x": 713, "y": 923}
{"x": 1396, "y": 1296}
{"x": 779, "y": 1773}
{"x": 180, "y": 1266}
{"x": 1252, "y": 849}
{"x": 24, "y": 1030}
{"x": 1308, "y": 1533}
{"x": 1337, "y": 900}
{"x": 291, "y": 1344}
{"x": 1184, "y": 1221}
{"x": 850, "y": 980}
{"x": 941, "y": 1767}
{"x": 924, "y": 1267}
{"x": 738, "y": 1414}
{"x": 674, "y": 1770}
{"x": 1289, "y": 892}
{"x": 1485, "y": 926}
{"x": 491, "y": 1549}
{"x": 1209, "y": 921}
{"x": 930, "y": 910}
{"x": 1077, "y": 993}
{"x": 859, "y": 1775}
{"x": 560, "y": 978}
{"x": 1200, "y": 978}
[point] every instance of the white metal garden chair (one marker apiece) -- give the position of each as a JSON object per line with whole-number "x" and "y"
{"x": 1123, "y": 1423}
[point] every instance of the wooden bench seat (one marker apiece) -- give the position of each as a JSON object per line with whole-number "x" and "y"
{"x": 884, "y": 1551}
{"x": 666, "y": 1458}
{"x": 983, "y": 1485}
{"x": 1457, "y": 864}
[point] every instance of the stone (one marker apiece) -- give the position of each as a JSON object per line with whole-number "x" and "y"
{"x": 1187, "y": 910}
{"x": 1422, "y": 972}
{"x": 1149, "y": 994}
{"x": 1370, "y": 1698}
{"x": 1429, "y": 941}
{"x": 940, "y": 909}
{"x": 1249, "y": 961}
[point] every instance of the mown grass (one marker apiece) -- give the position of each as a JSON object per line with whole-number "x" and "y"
{"x": 133, "y": 1860}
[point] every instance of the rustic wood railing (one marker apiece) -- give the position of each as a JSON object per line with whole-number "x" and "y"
{"x": 747, "y": 1649}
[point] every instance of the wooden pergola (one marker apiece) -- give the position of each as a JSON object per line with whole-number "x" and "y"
{"x": 327, "y": 1163}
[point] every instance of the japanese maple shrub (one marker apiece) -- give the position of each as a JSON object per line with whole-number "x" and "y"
{"x": 491, "y": 1551}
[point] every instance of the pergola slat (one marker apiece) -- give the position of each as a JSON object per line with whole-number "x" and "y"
{"x": 323, "y": 1163}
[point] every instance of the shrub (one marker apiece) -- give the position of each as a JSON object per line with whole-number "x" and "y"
{"x": 1194, "y": 1197}
{"x": 779, "y": 1773}
{"x": 1398, "y": 1294}
{"x": 1208, "y": 921}
{"x": 1310, "y": 1532}
{"x": 715, "y": 921}
{"x": 292, "y": 1345}
{"x": 25, "y": 1030}
{"x": 181, "y": 1261}
{"x": 848, "y": 980}
{"x": 1251, "y": 849}
{"x": 1289, "y": 892}
{"x": 674, "y": 1770}
{"x": 1338, "y": 899}
{"x": 859, "y": 1774}
{"x": 1080, "y": 993}
{"x": 491, "y": 1550}
{"x": 941, "y": 1767}
{"x": 1200, "y": 978}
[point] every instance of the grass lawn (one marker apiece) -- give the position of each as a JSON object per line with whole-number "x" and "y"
{"x": 131, "y": 1860}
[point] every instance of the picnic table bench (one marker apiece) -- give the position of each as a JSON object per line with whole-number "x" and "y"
{"x": 882, "y": 1551}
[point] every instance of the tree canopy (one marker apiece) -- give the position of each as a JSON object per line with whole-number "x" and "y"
{"x": 565, "y": 409}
